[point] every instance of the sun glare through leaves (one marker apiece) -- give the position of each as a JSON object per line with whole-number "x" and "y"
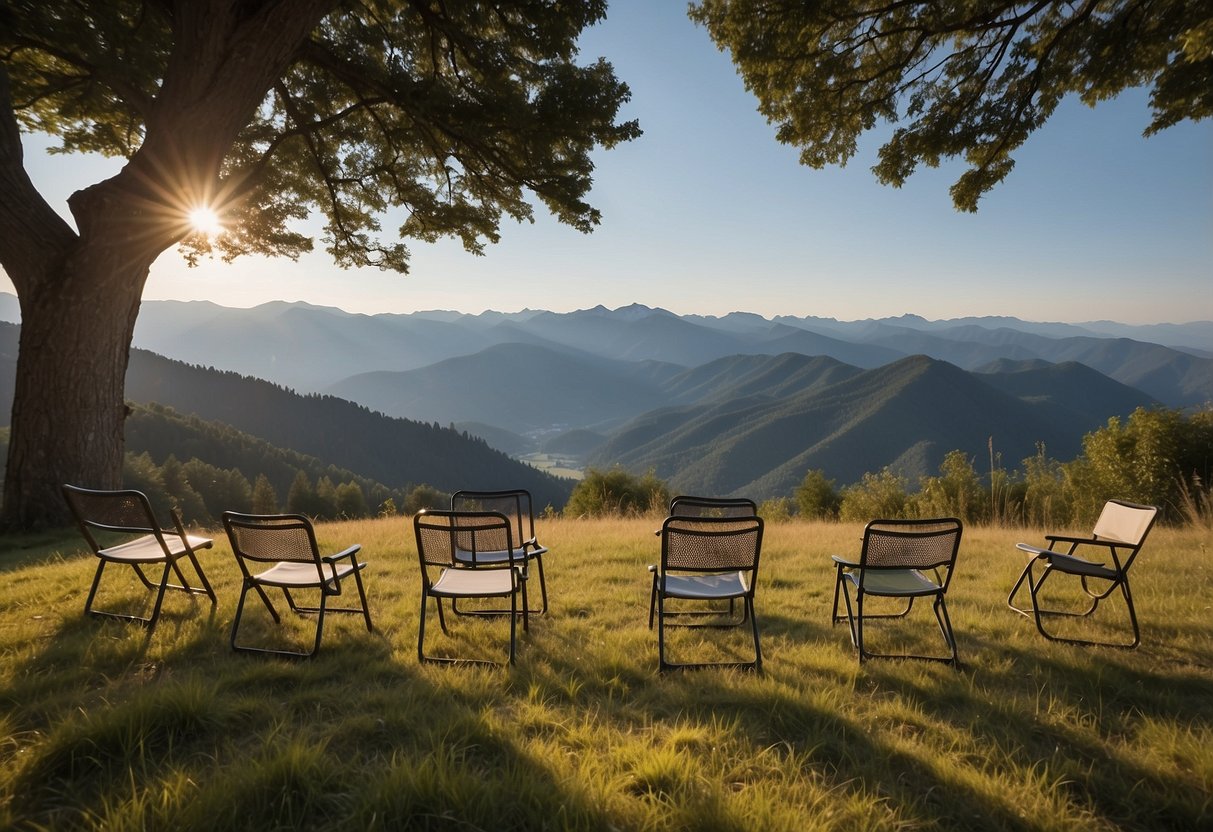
{"x": 205, "y": 221}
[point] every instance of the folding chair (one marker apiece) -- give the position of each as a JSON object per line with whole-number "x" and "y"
{"x": 685, "y": 505}
{"x": 1119, "y": 534}
{"x": 893, "y": 563}
{"x": 449, "y": 545}
{"x": 515, "y": 505}
{"x": 111, "y": 518}
{"x": 288, "y": 543}
{"x": 706, "y": 559}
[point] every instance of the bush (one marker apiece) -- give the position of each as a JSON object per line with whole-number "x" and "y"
{"x": 616, "y": 492}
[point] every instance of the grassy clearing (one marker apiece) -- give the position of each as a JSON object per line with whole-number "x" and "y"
{"x": 101, "y": 728}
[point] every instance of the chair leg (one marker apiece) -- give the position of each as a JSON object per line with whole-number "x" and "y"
{"x": 240, "y": 612}
{"x": 1126, "y": 593}
{"x": 206, "y": 585}
{"x": 945, "y": 627}
{"x": 543, "y": 585}
{"x": 749, "y": 604}
{"x": 653, "y": 600}
{"x": 1024, "y": 575}
{"x": 92, "y": 592}
{"x": 421, "y": 625}
{"x": 514, "y": 616}
{"x": 319, "y": 622}
{"x": 366, "y": 610}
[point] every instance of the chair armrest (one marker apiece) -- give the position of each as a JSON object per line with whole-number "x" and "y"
{"x": 1035, "y": 551}
{"x": 841, "y": 561}
{"x": 653, "y": 568}
{"x": 344, "y": 553}
{"x": 1065, "y": 538}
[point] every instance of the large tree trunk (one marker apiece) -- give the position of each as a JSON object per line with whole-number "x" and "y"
{"x": 68, "y": 408}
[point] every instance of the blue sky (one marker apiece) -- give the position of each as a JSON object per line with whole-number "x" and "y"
{"x": 706, "y": 213}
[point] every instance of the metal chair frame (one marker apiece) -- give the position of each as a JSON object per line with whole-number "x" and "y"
{"x": 128, "y": 512}
{"x": 515, "y": 504}
{"x": 1098, "y": 580}
{"x": 449, "y": 541}
{"x": 900, "y": 563}
{"x": 732, "y": 548}
{"x": 686, "y": 505}
{"x": 248, "y": 533}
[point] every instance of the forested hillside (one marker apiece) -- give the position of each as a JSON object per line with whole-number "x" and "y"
{"x": 395, "y": 452}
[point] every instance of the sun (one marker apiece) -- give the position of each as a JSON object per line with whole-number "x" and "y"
{"x": 204, "y": 220}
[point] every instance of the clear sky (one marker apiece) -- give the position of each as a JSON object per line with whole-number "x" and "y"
{"x": 706, "y": 213}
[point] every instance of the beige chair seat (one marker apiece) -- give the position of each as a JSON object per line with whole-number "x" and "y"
{"x": 470, "y": 583}
{"x": 707, "y": 587}
{"x": 147, "y": 549}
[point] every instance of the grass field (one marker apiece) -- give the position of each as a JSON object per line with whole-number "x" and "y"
{"x": 103, "y": 728}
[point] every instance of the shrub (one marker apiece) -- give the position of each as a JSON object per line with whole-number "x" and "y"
{"x": 617, "y": 492}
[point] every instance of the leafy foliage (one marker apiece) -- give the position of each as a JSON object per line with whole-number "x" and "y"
{"x": 816, "y": 496}
{"x": 617, "y": 492}
{"x": 962, "y": 78}
{"x": 450, "y": 112}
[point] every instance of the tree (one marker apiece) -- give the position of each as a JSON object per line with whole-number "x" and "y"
{"x": 617, "y": 492}
{"x": 265, "y": 498}
{"x": 961, "y": 78}
{"x": 876, "y": 496}
{"x": 956, "y": 492}
{"x": 450, "y": 114}
{"x": 816, "y": 497}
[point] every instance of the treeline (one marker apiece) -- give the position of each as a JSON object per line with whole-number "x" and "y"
{"x": 1157, "y": 457}
{"x": 225, "y": 468}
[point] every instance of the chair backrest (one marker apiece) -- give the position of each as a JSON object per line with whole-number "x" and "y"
{"x": 1126, "y": 523}
{"x": 711, "y": 544}
{"x": 123, "y": 512}
{"x": 911, "y": 544}
{"x": 514, "y": 504}
{"x": 686, "y": 505}
{"x": 272, "y": 538}
{"x": 455, "y": 538}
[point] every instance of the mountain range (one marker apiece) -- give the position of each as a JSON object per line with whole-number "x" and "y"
{"x": 730, "y": 404}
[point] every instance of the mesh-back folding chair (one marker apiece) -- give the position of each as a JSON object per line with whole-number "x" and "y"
{"x": 449, "y": 545}
{"x": 1118, "y": 536}
{"x": 515, "y": 505}
{"x": 902, "y": 559}
{"x": 121, "y": 527}
{"x": 287, "y": 544}
{"x": 706, "y": 559}
{"x": 685, "y": 505}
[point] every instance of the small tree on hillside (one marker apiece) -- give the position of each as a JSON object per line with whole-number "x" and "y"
{"x": 876, "y": 496}
{"x": 817, "y": 498}
{"x": 265, "y": 498}
{"x": 956, "y": 492}
{"x": 617, "y": 492}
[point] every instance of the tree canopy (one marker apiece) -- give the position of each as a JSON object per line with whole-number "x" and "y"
{"x": 964, "y": 79}
{"x": 449, "y": 112}
{"x": 439, "y": 117}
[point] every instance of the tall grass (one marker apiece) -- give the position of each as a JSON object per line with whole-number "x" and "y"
{"x": 102, "y": 727}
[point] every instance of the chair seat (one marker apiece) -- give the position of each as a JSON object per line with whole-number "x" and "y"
{"x": 298, "y": 573}
{"x": 147, "y": 549}
{"x": 1071, "y": 564}
{"x": 895, "y": 582}
{"x": 473, "y": 582}
{"x": 495, "y": 558}
{"x": 706, "y": 587}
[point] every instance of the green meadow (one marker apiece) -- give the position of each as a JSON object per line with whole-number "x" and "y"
{"x": 105, "y": 728}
